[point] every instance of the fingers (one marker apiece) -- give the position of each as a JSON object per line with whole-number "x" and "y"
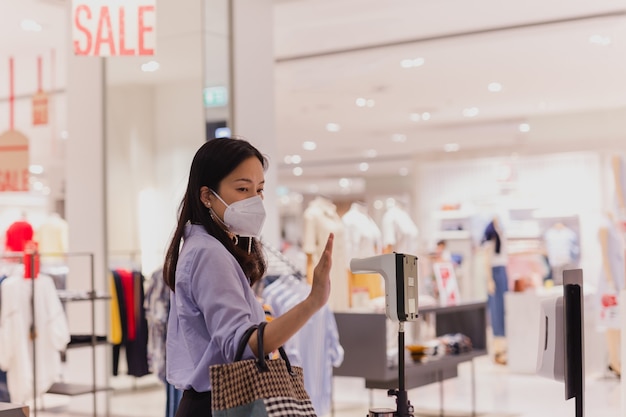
{"x": 329, "y": 243}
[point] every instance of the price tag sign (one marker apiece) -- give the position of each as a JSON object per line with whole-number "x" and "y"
{"x": 14, "y": 161}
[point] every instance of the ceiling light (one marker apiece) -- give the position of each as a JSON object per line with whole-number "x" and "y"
{"x": 378, "y": 204}
{"x": 470, "y": 112}
{"x": 365, "y": 102}
{"x": 398, "y": 137}
{"x": 364, "y": 166}
{"x": 64, "y": 134}
{"x": 297, "y": 171}
{"x": 313, "y": 188}
{"x": 296, "y": 159}
{"x": 333, "y": 127}
{"x": 150, "y": 66}
{"x": 35, "y": 169}
{"x": 344, "y": 182}
{"x": 403, "y": 172}
{"x": 292, "y": 159}
{"x": 426, "y": 116}
{"x": 371, "y": 153}
{"x": 524, "y": 127}
{"x": 600, "y": 40}
{"x": 309, "y": 145}
{"x": 415, "y": 117}
{"x": 29, "y": 25}
{"x": 451, "y": 147}
{"x": 494, "y": 87}
{"x": 412, "y": 63}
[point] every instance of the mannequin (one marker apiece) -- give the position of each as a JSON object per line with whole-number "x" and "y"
{"x": 399, "y": 231}
{"x": 610, "y": 284}
{"x": 363, "y": 239}
{"x": 562, "y": 248}
{"x": 496, "y": 259}
{"x": 619, "y": 177}
{"x": 52, "y": 237}
{"x": 18, "y": 233}
{"x": 320, "y": 219}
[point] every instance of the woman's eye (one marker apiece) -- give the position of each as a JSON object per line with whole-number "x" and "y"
{"x": 260, "y": 191}
{"x": 243, "y": 190}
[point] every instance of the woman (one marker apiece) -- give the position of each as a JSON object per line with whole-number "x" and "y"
{"x": 211, "y": 274}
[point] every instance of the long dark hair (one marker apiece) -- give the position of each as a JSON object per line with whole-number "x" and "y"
{"x": 213, "y": 161}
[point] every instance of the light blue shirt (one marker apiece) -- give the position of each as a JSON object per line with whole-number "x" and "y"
{"x": 315, "y": 347}
{"x": 212, "y": 307}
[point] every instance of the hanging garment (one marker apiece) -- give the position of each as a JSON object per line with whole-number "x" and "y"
{"x": 4, "y": 389}
{"x": 315, "y": 347}
{"x": 16, "y": 346}
{"x": 129, "y": 294}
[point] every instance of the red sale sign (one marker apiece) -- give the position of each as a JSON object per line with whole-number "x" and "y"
{"x": 113, "y": 27}
{"x": 14, "y": 161}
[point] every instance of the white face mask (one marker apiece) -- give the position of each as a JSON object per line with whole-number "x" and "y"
{"x": 244, "y": 217}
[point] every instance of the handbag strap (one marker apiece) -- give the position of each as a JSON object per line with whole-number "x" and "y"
{"x": 260, "y": 353}
{"x": 244, "y": 341}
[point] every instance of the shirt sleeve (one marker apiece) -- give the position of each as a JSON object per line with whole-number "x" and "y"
{"x": 215, "y": 289}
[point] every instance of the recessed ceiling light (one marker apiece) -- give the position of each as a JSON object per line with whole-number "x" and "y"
{"x": 378, "y": 204}
{"x": 494, "y": 87}
{"x": 309, "y": 145}
{"x": 365, "y": 102}
{"x": 524, "y": 127}
{"x": 371, "y": 153}
{"x": 364, "y": 166}
{"x": 470, "y": 112}
{"x": 29, "y": 25}
{"x": 292, "y": 159}
{"x": 398, "y": 137}
{"x": 412, "y": 63}
{"x": 451, "y": 147}
{"x": 297, "y": 171}
{"x": 150, "y": 66}
{"x": 35, "y": 169}
{"x": 426, "y": 116}
{"x": 344, "y": 182}
{"x": 403, "y": 172}
{"x": 600, "y": 40}
{"x": 415, "y": 117}
{"x": 333, "y": 127}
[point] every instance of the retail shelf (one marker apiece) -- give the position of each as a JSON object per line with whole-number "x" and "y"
{"x": 61, "y": 388}
{"x": 86, "y": 342}
{"x": 452, "y": 214}
{"x": 66, "y": 295}
{"x": 453, "y": 234}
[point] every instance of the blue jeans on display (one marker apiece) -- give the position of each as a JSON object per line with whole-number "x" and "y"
{"x": 495, "y": 301}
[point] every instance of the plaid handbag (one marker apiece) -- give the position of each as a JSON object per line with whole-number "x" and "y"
{"x": 258, "y": 387}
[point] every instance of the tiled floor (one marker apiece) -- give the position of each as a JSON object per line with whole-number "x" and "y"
{"x": 498, "y": 393}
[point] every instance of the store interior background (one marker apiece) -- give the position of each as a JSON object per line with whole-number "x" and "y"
{"x": 429, "y": 133}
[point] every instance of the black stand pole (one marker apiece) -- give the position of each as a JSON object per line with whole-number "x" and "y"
{"x": 404, "y": 407}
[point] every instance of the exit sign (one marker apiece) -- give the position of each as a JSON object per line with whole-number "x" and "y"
{"x": 215, "y": 96}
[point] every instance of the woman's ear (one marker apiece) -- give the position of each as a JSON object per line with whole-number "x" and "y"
{"x": 205, "y": 196}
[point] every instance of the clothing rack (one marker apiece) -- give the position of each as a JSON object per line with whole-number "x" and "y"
{"x": 33, "y": 256}
{"x": 277, "y": 256}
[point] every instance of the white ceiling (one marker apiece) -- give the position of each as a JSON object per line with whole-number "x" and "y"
{"x": 570, "y": 91}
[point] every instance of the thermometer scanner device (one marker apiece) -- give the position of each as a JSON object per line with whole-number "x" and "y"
{"x": 399, "y": 272}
